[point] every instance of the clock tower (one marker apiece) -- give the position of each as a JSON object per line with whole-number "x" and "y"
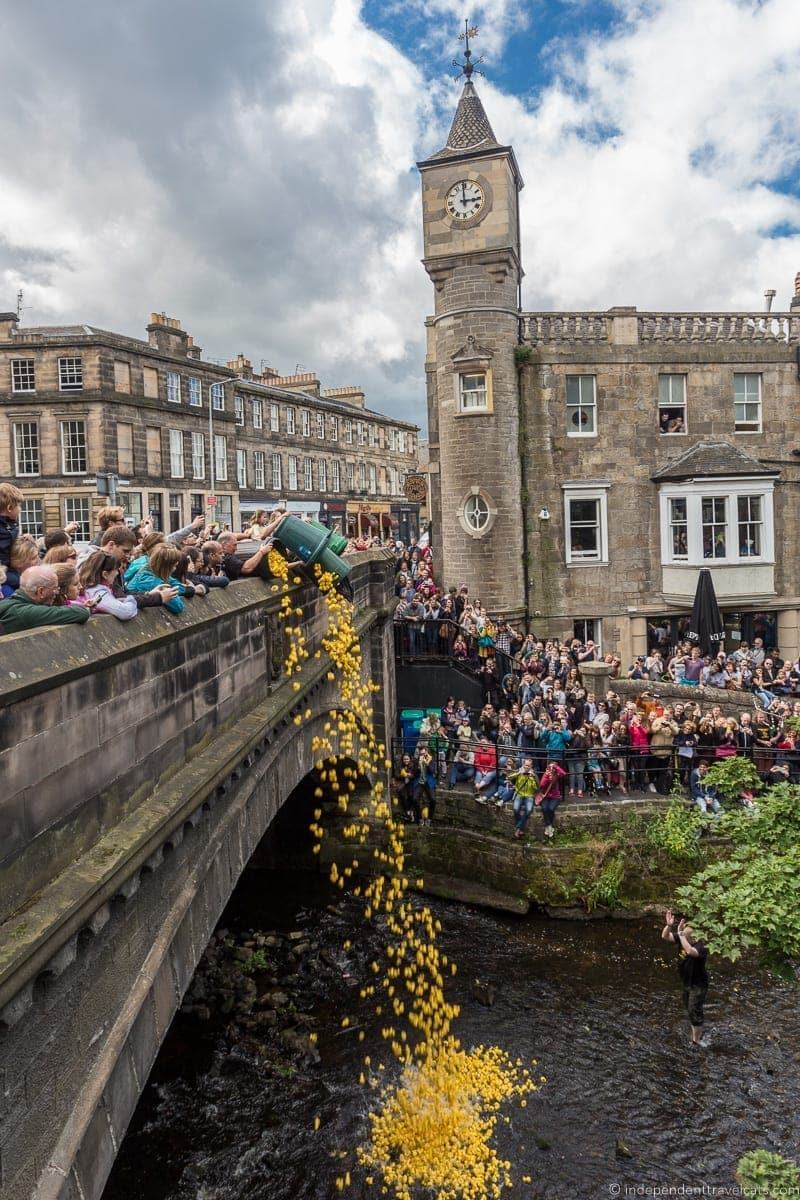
{"x": 470, "y": 211}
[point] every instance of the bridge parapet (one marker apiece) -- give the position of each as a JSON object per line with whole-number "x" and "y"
{"x": 147, "y": 761}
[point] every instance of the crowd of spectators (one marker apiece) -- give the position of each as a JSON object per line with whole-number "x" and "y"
{"x": 57, "y": 581}
{"x": 539, "y": 720}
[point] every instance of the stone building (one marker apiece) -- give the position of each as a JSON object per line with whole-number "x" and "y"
{"x": 329, "y": 455}
{"x": 88, "y": 414}
{"x": 585, "y": 465}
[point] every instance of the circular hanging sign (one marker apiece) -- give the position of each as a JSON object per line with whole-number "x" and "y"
{"x": 416, "y": 488}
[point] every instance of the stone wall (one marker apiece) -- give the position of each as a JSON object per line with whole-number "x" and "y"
{"x": 95, "y": 960}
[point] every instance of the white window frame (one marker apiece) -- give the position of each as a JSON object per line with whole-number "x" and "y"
{"x": 291, "y": 473}
{"x": 334, "y": 429}
{"x": 65, "y": 447}
{"x": 676, "y": 382}
{"x": 582, "y": 405}
{"x": 738, "y": 426}
{"x": 373, "y": 479}
{"x": 21, "y": 375}
{"x": 198, "y": 456}
{"x": 473, "y": 397}
{"x": 401, "y": 441}
{"x": 362, "y": 476}
{"x": 305, "y": 417}
{"x": 217, "y": 394}
{"x": 26, "y": 432}
{"x": 173, "y": 387}
{"x": 70, "y": 373}
{"x": 291, "y": 420}
{"x": 678, "y": 524}
{"x": 238, "y": 408}
{"x": 31, "y": 516}
{"x": 277, "y": 473}
{"x": 336, "y": 475}
{"x": 749, "y": 523}
{"x": 731, "y": 490}
{"x": 79, "y": 508}
{"x": 477, "y": 503}
{"x": 308, "y": 474}
{"x": 350, "y": 476}
{"x": 322, "y": 475}
{"x": 220, "y": 458}
{"x": 588, "y": 491}
{"x": 348, "y": 431}
{"x": 372, "y": 435}
{"x": 241, "y": 467}
{"x": 321, "y": 425}
{"x": 362, "y": 433}
{"x": 259, "y": 469}
{"x": 176, "y": 458}
{"x": 195, "y": 389}
{"x": 274, "y": 417}
{"x": 258, "y": 413}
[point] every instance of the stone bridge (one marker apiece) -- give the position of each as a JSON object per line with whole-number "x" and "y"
{"x": 140, "y": 765}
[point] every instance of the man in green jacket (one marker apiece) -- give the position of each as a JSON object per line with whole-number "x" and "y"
{"x": 31, "y": 606}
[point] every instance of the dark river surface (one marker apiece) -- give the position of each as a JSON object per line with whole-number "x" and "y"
{"x": 597, "y": 1004}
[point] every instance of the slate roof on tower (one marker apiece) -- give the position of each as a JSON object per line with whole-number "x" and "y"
{"x": 471, "y": 135}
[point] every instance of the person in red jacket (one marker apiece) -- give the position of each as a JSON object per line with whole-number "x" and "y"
{"x": 485, "y": 763}
{"x": 640, "y": 748}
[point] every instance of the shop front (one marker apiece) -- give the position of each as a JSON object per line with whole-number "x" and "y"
{"x": 333, "y": 513}
{"x": 368, "y": 518}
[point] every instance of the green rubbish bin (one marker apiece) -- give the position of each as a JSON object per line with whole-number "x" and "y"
{"x": 312, "y": 544}
{"x": 337, "y": 543}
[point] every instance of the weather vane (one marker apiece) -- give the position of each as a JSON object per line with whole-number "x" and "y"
{"x": 468, "y": 67}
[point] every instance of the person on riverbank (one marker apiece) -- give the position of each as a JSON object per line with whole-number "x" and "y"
{"x": 692, "y": 955}
{"x": 525, "y": 784}
{"x": 548, "y": 797}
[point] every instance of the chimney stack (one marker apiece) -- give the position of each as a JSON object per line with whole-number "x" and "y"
{"x": 8, "y": 325}
{"x": 242, "y": 366}
{"x": 796, "y": 298}
{"x": 165, "y": 334}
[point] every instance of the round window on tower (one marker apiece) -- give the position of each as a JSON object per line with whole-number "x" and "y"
{"x": 477, "y": 513}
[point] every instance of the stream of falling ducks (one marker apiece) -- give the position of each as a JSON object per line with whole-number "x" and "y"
{"x": 433, "y": 1129}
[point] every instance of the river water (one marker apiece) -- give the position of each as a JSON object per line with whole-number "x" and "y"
{"x": 627, "y": 1103}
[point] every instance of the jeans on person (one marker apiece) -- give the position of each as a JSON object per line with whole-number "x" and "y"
{"x": 484, "y": 779}
{"x": 460, "y": 773}
{"x": 705, "y": 800}
{"x": 416, "y": 637}
{"x": 549, "y": 806}
{"x": 425, "y": 793}
{"x": 504, "y": 793}
{"x": 576, "y": 767}
{"x": 764, "y": 696}
{"x": 523, "y": 807}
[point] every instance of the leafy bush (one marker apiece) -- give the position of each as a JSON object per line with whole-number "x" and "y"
{"x": 773, "y": 825}
{"x": 751, "y": 899}
{"x": 732, "y": 776}
{"x": 605, "y": 888}
{"x": 677, "y": 831}
{"x": 771, "y": 1176}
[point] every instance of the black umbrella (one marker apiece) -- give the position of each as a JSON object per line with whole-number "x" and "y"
{"x": 706, "y": 628}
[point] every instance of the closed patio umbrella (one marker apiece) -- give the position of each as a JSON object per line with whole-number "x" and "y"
{"x": 706, "y": 627}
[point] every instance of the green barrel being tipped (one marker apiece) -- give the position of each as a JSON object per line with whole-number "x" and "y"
{"x": 313, "y": 543}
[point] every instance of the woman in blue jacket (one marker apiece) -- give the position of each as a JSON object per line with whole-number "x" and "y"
{"x": 158, "y": 570}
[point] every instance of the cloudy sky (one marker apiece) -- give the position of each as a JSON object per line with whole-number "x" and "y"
{"x": 248, "y": 165}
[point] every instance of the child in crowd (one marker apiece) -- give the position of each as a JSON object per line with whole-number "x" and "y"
{"x": 96, "y": 576}
{"x": 10, "y": 499}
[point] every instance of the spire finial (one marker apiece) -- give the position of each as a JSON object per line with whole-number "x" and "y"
{"x": 468, "y": 67}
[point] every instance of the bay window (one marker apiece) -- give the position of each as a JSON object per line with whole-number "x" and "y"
{"x": 710, "y": 522}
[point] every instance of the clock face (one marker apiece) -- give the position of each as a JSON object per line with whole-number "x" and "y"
{"x": 464, "y": 200}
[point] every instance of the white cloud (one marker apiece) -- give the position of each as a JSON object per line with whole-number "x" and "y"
{"x": 250, "y": 169}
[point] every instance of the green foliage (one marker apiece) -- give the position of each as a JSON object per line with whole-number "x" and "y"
{"x": 676, "y": 833}
{"x": 732, "y": 776}
{"x": 793, "y": 725}
{"x": 751, "y": 899}
{"x": 771, "y": 1176}
{"x": 605, "y": 888}
{"x": 523, "y": 355}
{"x": 773, "y": 825}
{"x": 257, "y": 961}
